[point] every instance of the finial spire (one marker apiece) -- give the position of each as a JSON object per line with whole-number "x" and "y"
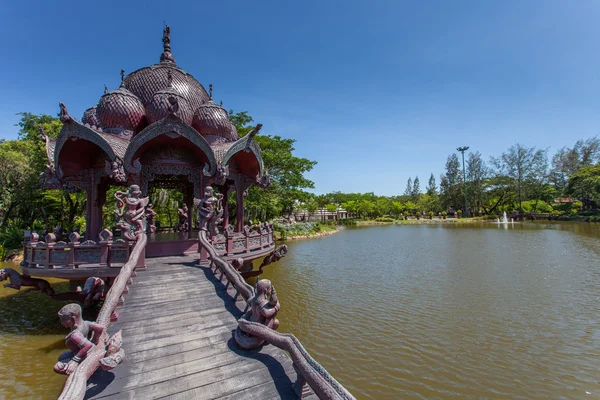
{"x": 122, "y": 78}
{"x": 105, "y": 89}
{"x": 221, "y": 104}
{"x": 166, "y": 56}
{"x": 210, "y": 91}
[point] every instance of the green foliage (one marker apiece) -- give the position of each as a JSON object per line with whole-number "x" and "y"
{"x": 298, "y": 229}
{"x": 11, "y": 238}
{"x": 384, "y": 219}
{"x": 286, "y": 170}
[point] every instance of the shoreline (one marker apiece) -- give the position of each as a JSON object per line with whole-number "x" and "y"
{"x": 311, "y": 236}
{"x": 421, "y": 221}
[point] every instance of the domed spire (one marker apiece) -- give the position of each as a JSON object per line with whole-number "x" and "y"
{"x": 166, "y": 56}
{"x": 122, "y": 78}
{"x": 210, "y": 92}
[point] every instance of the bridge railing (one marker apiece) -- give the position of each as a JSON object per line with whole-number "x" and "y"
{"x": 52, "y": 253}
{"x": 75, "y": 386}
{"x": 308, "y": 369}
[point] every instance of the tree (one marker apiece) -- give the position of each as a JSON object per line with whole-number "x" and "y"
{"x": 451, "y": 183}
{"x": 409, "y": 187}
{"x": 527, "y": 167}
{"x": 416, "y": 189}
{"x": 585, "y": 184}
{"x": 286, "y": 171}
{"x": 567, "y": 161}
{"x": 476, "y": 176}
{"x": 431, "y": 188}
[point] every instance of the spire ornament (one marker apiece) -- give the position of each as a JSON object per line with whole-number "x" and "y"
{"x": 122, "y": 78}
{"x": 105, "y": 89}
{"x": 166, "y": 56}
{"x": 210, "y": 92}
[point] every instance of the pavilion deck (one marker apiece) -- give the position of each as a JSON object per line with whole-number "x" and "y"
{"x": 177, "y": 324}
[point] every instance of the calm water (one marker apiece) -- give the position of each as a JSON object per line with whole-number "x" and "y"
{"x": 432, "y": 311}
{"x": 424, "y": 311}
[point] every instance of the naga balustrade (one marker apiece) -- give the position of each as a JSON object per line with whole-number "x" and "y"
{"x": 50, "y": 253}
{"x": 75, "y": 386}
{"x": 309, "y": 370}
{"x": 252, "y": 239}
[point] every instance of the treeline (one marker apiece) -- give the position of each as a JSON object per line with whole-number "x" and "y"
{"x": 521, "y": 179}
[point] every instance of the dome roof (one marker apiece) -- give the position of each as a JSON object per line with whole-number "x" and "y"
{"x": 160, "y": 108}
{"x": 211, "y": 119}
{"x": 145, "y": 82}
{"x": 121, "y": 110}
{"x": 90, "y": 117}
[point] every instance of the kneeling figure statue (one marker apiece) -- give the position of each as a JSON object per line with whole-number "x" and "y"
{"x": 264, "y": 309}
{"x": 78, "y": 340}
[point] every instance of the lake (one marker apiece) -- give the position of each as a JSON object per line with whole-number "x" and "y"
{"x": 408, "y": 311}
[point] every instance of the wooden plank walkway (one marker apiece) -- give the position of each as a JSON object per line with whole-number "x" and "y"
{"x": 177, "y": 325}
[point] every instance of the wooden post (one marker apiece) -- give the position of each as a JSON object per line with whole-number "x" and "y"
{"x": 226, "y": 204}
{"x": 239, "y": 196}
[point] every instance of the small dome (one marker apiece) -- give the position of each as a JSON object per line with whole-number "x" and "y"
{"x": 90, "y": 117}
{"x": 160, "y": 108}
{"x": 212, "y": 120}
{"x": 121, "y": 110}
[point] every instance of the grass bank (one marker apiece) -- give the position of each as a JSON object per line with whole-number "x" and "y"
{"x": 423, "y": 221}
{"x": 303, "y": 230}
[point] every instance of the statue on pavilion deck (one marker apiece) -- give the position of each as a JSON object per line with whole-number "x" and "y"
{"x": 130, "y": 211}
{"x": 17, "y": 280}
{"x": 183, "y": 225}
{"x": 211, "y": 211}
{"x": 78, "y": 340}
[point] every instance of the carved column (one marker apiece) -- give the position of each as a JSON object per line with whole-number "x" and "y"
{"x": 88, "y": 211}
{"x": 226, "y": 204}
{"x": 239, "y": 197}
{"x": 189, "y": 201}
{"x": 98, "y": 200}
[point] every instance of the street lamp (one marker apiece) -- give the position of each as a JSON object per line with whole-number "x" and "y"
{"x": 462, "y": 150}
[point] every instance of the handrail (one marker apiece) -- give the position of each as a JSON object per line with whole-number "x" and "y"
{"x": 320, "y": 381}
{"x": 75, "y": 386}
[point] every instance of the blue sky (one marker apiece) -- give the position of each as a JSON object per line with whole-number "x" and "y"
{"x": 374, "y": 91}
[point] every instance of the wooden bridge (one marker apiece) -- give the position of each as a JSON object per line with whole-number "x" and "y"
{"x": 177, "y": 324}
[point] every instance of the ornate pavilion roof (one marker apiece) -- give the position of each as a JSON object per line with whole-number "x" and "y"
{"x": 146, "y": 98}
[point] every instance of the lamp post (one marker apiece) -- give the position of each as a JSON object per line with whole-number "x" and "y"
{"x": 462, "y": 150}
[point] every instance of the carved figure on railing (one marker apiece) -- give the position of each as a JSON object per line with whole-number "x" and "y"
{"x": 17, "y": 280}
{"x": 211, "y": 211}
{"x": 130, "y": 211}
{"x": 264, "y": 307}
{"x": 78, "y": 340}
{"x": 93, "y": 290}
{"x": 150, "y": 214}
{"x": 183, "y": 224}
{"x": 114, "y": 353}
{"x": 115, "y": 170}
